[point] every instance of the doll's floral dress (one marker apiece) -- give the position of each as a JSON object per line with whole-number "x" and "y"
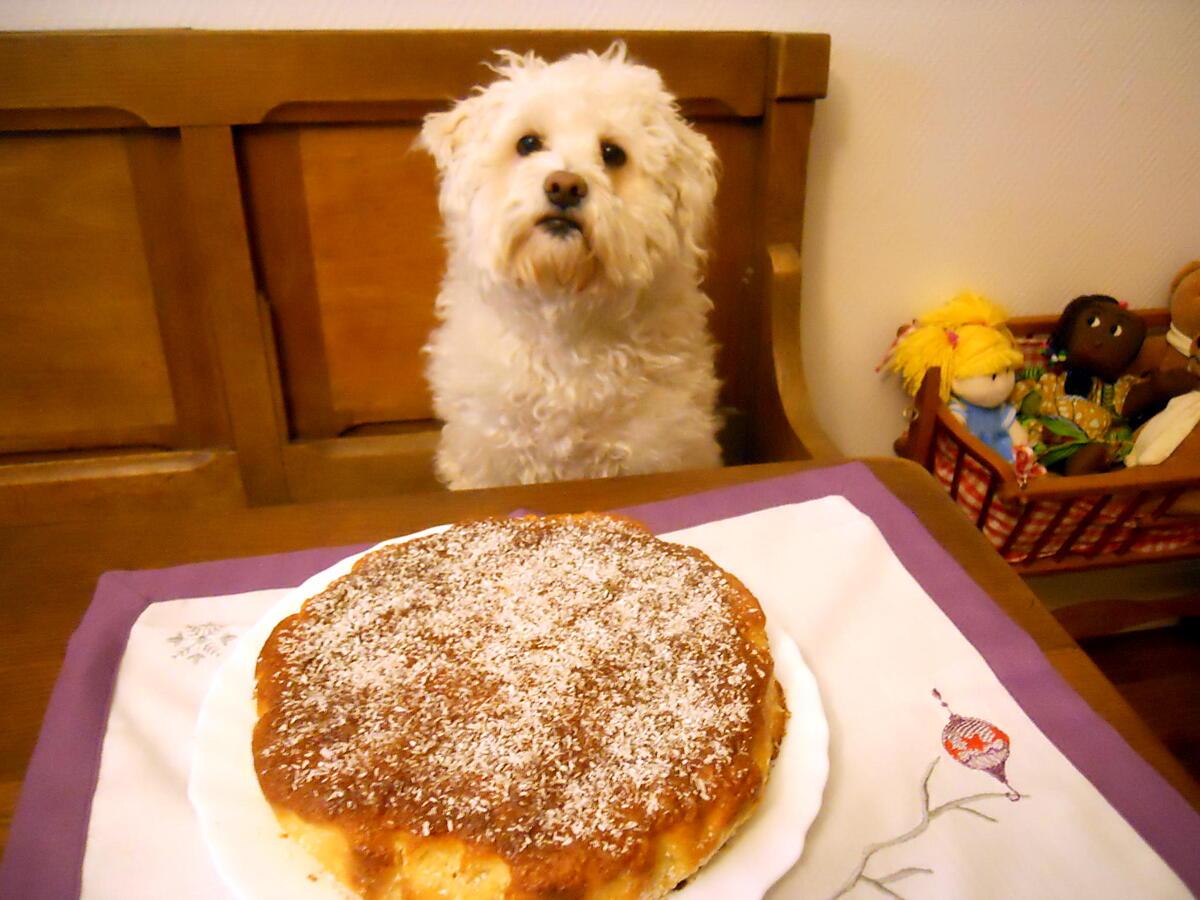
{"x": 1060, "y": 423}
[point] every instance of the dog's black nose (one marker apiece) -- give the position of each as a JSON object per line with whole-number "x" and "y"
{"x": 564, "y": 189}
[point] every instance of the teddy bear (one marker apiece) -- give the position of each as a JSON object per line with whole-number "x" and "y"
{"x": 1175, "y": 366}
{"x": 1184, "y": 335}
{"x": 1178, "y": 367}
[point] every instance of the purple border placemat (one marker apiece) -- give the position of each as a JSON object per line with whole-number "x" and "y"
{"x": 46, "y": 842}
{"x": 44, "y": 856}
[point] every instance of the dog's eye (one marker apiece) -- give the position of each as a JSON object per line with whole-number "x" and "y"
{"x": 1116, "y": 330}
{"x": 1093, "y": 322}
{"x": 613, "y": 156}
{"x": 529, "y": 143}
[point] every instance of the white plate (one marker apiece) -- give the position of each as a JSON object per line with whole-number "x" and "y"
{"x": 257, "y": 863}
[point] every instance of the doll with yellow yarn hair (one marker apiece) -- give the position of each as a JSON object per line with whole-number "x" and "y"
{"x": 978, "y": 358}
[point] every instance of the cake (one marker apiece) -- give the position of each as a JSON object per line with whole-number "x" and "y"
{"x": 563, "y": 706}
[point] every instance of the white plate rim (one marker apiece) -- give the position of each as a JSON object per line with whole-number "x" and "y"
{"x": 255, "y": 862}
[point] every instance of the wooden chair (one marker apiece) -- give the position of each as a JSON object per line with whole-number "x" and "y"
{"x": 220, "y": 256}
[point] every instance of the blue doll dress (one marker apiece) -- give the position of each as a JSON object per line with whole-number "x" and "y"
{"x": 989, "y": 424}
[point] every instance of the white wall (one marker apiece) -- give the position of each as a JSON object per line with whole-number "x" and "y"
{"x": 1031, "y": 151}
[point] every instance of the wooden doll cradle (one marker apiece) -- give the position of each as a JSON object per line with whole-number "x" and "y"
{"x": 1054, "y": 524}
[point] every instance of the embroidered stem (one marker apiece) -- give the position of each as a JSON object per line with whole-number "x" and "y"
{"x": 878, "y": 885}
{"x": 928, "y": 814}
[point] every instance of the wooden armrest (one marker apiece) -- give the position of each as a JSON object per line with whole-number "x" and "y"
{"x": 784, "y": 296}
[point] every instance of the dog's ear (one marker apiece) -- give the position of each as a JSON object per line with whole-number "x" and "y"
{"x": 444, "y": 133}
{"x": 695, "y": 165}
{"x": 617, "y": 52}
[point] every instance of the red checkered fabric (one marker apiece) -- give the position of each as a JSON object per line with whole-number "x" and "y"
{"x": 1033, "y": 349}
{"x": 1045, "y": 525}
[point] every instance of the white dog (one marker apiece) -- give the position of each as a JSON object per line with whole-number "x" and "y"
{"x": 572, "y": 340}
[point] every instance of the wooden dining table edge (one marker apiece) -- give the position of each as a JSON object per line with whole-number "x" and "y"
{"x": 104, "y": 546}
{"x": 943, "y": 519}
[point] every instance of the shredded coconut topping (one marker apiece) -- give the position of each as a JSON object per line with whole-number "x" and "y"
{"x": 527, "y": 683}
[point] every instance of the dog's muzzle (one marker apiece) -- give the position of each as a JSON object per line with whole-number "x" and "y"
{"x": 565, "y": 191}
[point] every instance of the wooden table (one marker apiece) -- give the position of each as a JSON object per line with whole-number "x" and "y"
{"x": 48, "y": 573}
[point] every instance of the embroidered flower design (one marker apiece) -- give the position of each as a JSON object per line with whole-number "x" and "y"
{"x": 977, "y": 745}
{"x": 199, "y": 642}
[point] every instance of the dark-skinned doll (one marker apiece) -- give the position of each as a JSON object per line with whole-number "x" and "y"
{"x": 1081, "y": 415}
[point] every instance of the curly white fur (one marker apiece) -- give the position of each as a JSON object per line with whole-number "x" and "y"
{"x": 582, "y": 353}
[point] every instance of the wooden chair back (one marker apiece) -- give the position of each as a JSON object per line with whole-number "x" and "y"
{"x": 220, "y": 254}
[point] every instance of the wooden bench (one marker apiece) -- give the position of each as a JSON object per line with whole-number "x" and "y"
{"x": 220, "y": 253}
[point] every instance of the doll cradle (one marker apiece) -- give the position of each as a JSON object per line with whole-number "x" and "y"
{"x": 1054, "y": 524}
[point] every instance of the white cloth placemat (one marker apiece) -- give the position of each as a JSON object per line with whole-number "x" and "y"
{"x": 878, "y": 646}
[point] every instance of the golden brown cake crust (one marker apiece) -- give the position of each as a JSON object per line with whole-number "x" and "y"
{"x": 557, "y": 694}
